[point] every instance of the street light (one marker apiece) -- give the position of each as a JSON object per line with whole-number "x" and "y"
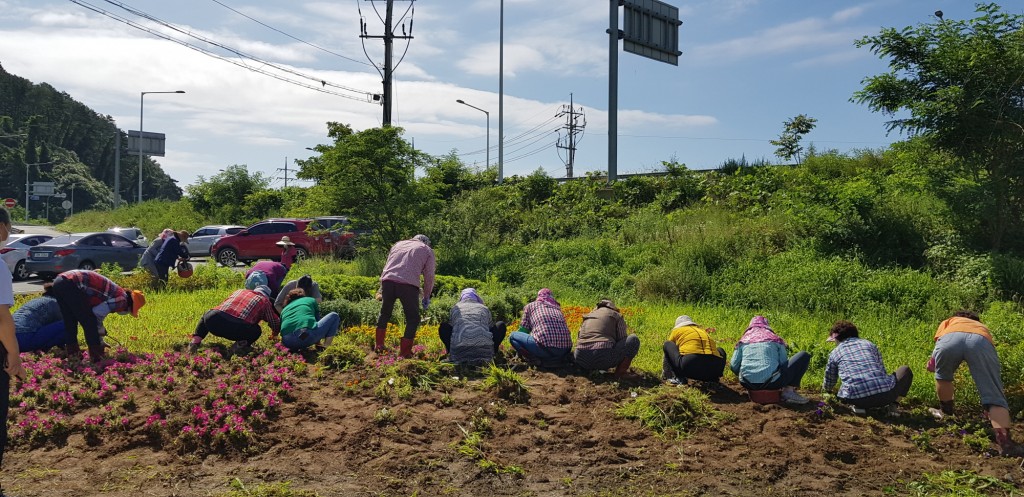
{"x": 488, "y": 114}
{"x": 142, "y": 96}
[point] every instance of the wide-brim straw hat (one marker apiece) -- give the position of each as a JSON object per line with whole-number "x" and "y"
{"x": 285, "y": 242}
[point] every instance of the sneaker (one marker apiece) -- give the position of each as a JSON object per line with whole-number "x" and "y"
{"x": 192, "y": 348}
{"x": 938, "y": 414}
{"x": 675, "y": 381}
{"x": 859, "y": 410}
{"x": 791, "y": 397}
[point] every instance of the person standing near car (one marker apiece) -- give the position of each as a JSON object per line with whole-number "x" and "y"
{"x": 288, "y": 251}
{"x": 8, "y": 342}
{"x": 173, "y": 249}
{"x": 148, "y": 259}
{"x": 400, "y": 280}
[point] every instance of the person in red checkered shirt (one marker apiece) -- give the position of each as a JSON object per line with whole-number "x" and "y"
{"x": 238, "y": 319}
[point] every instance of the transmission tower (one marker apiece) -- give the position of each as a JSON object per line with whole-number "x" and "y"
{"x": 389, "y": 37}
{"x": 571, "y": 133}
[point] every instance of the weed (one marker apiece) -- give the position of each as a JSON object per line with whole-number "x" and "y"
{"x": 447, "y": 400}
{"x": 923, "y": 441}
{"x": 506, "y": 384}
{"x": 279, "y": 489}
{"x": 959, "y": 483}
{"x": 384, "y": 416}
{"x": 341, "y": 356}
{"x": 672, "y": 412}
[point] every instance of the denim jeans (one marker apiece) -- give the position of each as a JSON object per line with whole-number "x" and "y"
{"x": 44, "y": 338}
{"x": 527, "y": 346}
{"x": 792, "y": 373}
{"x": 327, "y": 327}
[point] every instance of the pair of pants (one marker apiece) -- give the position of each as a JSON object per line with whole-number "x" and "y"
{"x": 498, "y": 331}
{"x": 409, "y": 295}
{"x": 610, "y": 357}
{"x": 700, "y": 367}
{"x": 224, "y": 325}
{"x": 162, "y": 272}
{"x": 5, "y": 400}
{"x": 952, "y": 349}
{"x": 790, "y": 376}
{"x": 74, "y": 309}
{"x": 904, "y": 377}
{"x": 535, "y": 353}
{"x": 326, "y": 327}
{"x": 42, "y": 339}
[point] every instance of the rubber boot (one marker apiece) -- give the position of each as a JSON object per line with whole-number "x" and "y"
{"x": 405, "y": 348}
{"x": 1007, "y": 447}
{"x": 623, "y": 367}
{"x": 378, "y": 345}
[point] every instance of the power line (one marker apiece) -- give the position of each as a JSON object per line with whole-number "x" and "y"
{"x": 261, "y": 23}
{"x": 111, "y": 15}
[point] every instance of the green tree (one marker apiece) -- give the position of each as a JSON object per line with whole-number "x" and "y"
{"x": 224, "y": 195}
{"x": 960, "y": 83}
{"x": 368, "y": 175}
{"x": 792, "y": 133}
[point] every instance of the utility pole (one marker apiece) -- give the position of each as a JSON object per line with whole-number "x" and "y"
{"x": 285, "y": 169}
{"x": 575, "y": 123}
{"x": 389, "y": 38}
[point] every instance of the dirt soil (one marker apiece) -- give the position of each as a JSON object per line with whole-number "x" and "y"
{"x": 565, "y": 439}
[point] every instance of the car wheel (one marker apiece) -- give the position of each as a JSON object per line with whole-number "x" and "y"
{"x": 20, "y": 273}
{"x": 300, "y": 253}
{"x": 87, "y": 266}
{"x": 227, "y": 256}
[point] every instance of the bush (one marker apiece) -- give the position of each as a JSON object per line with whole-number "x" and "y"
{"x": 353, "y": 313}
{"x": 352, "y": 288}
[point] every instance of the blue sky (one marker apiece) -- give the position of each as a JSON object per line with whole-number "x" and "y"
{"x": 747, "y": 66}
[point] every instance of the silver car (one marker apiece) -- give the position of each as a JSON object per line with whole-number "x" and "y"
{"x": 133, "y": 234}
{"x": 202, "y": 239}
{"x": 15, "y": 253}
{"x": 82, "y": 251}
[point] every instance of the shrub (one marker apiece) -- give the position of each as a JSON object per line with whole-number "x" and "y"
{"x": 353, "y": 288}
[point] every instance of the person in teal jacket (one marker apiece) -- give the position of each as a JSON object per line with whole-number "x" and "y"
{"x": 301, "y": 325}
{"x": 760, "y": 362}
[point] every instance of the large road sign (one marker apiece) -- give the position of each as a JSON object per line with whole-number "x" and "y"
{"x": 651, "y": 29}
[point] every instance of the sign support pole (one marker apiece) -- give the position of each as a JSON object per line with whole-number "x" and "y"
{"x": 613, "y": 90}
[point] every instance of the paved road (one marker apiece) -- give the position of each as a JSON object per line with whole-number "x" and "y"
{"x": 35, "y": 285}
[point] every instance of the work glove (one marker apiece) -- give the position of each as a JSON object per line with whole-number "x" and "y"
{"x": 426, "y": 303}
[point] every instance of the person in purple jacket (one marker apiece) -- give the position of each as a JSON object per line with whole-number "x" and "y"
{"x": 400, "y": 280}
{"x": 275, "y": 273}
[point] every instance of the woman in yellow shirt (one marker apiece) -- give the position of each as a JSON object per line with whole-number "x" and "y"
{"x": 691, "y": 354}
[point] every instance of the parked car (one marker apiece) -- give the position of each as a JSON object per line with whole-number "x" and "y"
{"x": 258, "y": 241}
{"x": 202, "y": 239}
{"x": 15, "y": 253}
{"x": 133, "y": 234}
{"x": 82, "y": 251}
{"x": 344, "y": 236}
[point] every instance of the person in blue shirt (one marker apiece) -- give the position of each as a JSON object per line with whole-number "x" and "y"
{"x": 857, "y": 363}
{"x": 39, "y": 325}
{"x": 760, "y": 362}
{"x": 173, "y": 249}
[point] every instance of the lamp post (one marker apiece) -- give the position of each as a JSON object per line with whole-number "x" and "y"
{"x": 142, "y": 97}
{"x": 488, "y": 114}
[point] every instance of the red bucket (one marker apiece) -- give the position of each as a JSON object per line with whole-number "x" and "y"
{"x": 765, "y": 396}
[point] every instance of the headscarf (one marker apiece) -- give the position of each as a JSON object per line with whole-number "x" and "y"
{"x": 544, "y": 295}
{"x": 470, "y": 295}
{"x": 263, "y": 290}
{"x": 758, "y": 332}
{"x": 165, "y": 233}
{"x": 423, "y": 239}
{"x": 684, "y": 320}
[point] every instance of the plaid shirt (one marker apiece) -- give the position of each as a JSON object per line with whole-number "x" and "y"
{"x": 858, "y": 364}
{"x": 251, "y": 307}
{"x": 547, "y": 325}
{"x": 99, "y": 289}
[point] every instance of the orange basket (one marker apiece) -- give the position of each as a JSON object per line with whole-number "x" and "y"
{"x": 765, "y": 396}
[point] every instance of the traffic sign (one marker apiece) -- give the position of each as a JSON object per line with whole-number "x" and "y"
{"x": 60, "y": 195}
{"x": 34, "y": 197}
{"x": 66, "y": 204}
{"x": 10, "y": 203}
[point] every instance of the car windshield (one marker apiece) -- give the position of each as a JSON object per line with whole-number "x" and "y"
{"x": 63, "y": 240}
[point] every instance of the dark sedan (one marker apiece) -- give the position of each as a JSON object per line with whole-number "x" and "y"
{"x": 82, "y": 251}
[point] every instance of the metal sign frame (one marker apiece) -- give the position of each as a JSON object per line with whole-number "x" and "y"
{"x": 651, "y": 29}
{"x": 152, "y": 143}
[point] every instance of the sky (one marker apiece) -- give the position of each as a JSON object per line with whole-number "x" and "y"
{"x": 746, "y": 67}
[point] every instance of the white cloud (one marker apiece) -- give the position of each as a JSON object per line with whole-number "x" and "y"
{"x": 483, "y": 60}
{"x": 848, "y": 14}
{"x": 799, "y": 35}
{"x": 833, "y": 58}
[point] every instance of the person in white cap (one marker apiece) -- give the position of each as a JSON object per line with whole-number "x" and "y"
{"x": 691, "y": 354}
{"x": 400, "y": 280}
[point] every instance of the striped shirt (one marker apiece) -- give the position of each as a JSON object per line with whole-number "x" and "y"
{"x": 99, "y": 290}
{"x": 251, "y": 307}
{"x": 547, "y": 325}
{"x": 858, "y": 364}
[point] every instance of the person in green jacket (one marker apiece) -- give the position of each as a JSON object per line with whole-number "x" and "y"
{"x": 301, "y": 325}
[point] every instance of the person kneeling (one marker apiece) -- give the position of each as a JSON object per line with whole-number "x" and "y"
{"x": 543, "y": 338}
{"x": 300, "y": 325}
{"x": 691, "y": 354}
{"x": 468, "y": 335}
{"x": 603, "y": 342}
{"x": 759, "y": 362}
{"x": 857, "y": 363}
{"x": 39, "y": 325}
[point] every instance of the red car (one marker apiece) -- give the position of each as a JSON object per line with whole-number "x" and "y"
{"x": 259, "y": 242}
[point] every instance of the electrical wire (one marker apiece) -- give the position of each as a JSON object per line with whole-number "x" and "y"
{"x": 367, "y": 97}
{"x": 261, "y": 23}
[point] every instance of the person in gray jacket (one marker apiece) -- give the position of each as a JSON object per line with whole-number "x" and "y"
{"x": 307, "y": 285}
{"x": 469, "y": 336}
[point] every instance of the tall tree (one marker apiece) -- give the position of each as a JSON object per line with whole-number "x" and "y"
{"x": 369, "y": 175}
{"x": 222, "y": 195}
{"x": 962, "y": 84}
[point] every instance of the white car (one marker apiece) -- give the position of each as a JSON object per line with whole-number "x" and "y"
{"x": 202, "y": 239}
{"x": 16, "y": 251}
{"x": 133, "y": 234}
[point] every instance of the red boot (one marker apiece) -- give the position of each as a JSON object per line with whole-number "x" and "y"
{"x": 405, "y": 348}
{"x": 378, "y": 345}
